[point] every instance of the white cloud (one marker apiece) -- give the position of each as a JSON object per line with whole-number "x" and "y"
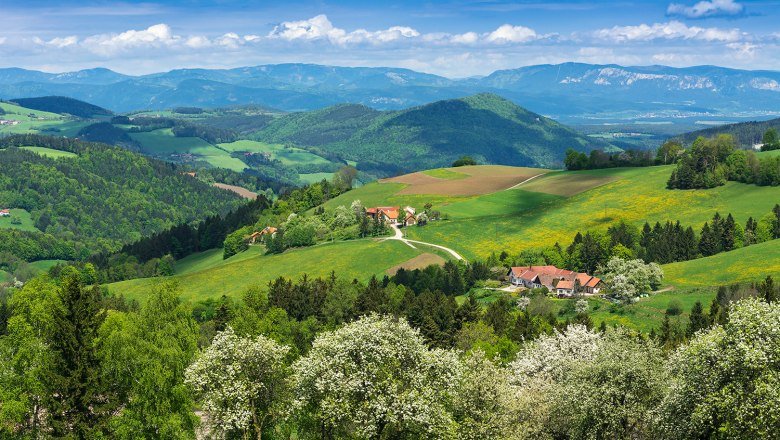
{"x": 467, "y": 38}
{"x": 511, "y": 34}
{"x": 669, "y": 31}
{"x": 743, "y": 50}
{"x": 158, "y": 35}
{"x": 320, "y": 28}
{"x": 703, "y": 9}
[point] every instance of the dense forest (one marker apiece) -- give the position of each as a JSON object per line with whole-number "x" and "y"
{"x": 105, "y": 196}
{"x": 745, "y": 134}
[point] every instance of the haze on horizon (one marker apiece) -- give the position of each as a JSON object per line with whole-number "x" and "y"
{"x": 455, "y": 38}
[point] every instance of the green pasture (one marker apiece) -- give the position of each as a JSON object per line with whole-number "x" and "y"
{"x": 45, "y": 265}
{"x": 384, "y": 194}
{"x": 310, "y": 178}
{"x": 204, "y": 277}
{"x": 26, "y": 224}
{"x": 286, "y": 155}
{"x": 163, "y": 143}
{"x": 518, "y": 219}
{"x": 50, "y": 152}
{"x": 443, "y": 173}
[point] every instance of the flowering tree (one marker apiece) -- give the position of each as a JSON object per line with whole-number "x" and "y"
{"x": 241, "y": 382}
{"x": 375, "y": 378}
{"x": 726, "y": 381}
{"x": 631, "y": 278}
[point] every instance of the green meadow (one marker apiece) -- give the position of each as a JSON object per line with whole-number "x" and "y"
{"x": 49, "y": 152}
{"x": 23, "y": 216}
{"x": 163, "y": 143}
{"x": 286, "y": 155}
{"x": 205, "y": 276}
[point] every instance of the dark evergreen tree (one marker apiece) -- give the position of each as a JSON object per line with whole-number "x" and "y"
{"x": 768, "y": 291}
{"x": 372, "y": 298}
{"x": 498, "y": 315}
{"x": 708, "y": 243}
{"x": 698, "y": 320}
{"x": 78, "y": 403}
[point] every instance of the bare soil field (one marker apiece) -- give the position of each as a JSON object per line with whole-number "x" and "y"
{"x": 419, "y": 262}
{"x": 567, "y": 184}
{"x": 243, "y": 192}
{"x": 482, "y": 179}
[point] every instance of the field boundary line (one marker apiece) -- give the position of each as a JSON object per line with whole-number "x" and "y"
{"x": 524, "y": 181}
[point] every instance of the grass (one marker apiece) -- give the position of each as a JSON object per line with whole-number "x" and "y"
{"x": 419, "y": 262}
{"x": 519, "y": 219}
{"x": 443, "y": 173}
{"x": 26, "y": 224}
{"x": 163, "y": 143}
{"x": 751, "y": 263}
{"x": 385, "y": 194}
{"x": 203, "y": 276}
{"x": 45, "y": 265}
{"x": 314, "y": 177}
{"x": 286, "y": 155}
{"x": 49, "y": 152}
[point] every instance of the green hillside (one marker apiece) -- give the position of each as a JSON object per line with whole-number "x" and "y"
{"x": 63, "y": 105}
{"x": 485, "y": 126}
{"x": 27, "y": 120}
{"x": 746, "y": 134}
{"x": 207, "y": 276}
{"x": 101, "y": 197}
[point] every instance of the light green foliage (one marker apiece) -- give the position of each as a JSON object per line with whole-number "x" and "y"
{"x": 145, "y": 354}
{"x": 19, "y": 219}
{"x": 375, "y": 378}
{"x": 725, "y": 383}
{"x": 241, "y": 382}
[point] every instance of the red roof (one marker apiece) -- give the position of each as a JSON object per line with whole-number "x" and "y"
{"x": 565, "y": 284}
{"x": 546, "y": 275}
{"x": 5, "y": 211}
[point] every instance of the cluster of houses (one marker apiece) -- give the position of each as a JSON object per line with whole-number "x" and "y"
{"x": 394, "y": 215}
{"x": 5, "y": 212}
{"x": 7, "y": 122}
{"x": 561, "y": 282}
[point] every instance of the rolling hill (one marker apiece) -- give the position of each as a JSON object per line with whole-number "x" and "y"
{"x": 63, "y": 105}
{"x": 747, "y": 134}
{"x": 487, "y": 127}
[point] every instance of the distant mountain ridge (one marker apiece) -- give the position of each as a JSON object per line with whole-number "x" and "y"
{"x": 570, "y": 92}
{"x": 485, "y": 126}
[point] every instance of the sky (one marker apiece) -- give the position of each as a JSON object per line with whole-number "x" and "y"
{"x": 454, "y": 38}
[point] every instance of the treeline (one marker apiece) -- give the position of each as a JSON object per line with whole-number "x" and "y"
{"x": 711, "y": 162}
{"x": 599, "y": 159}
{"x": 35, "y": 246}
{"x": 331, "y": 358}
{"x": 661, "y": 243}
{"x": 133, "y": 260}
{"x": 745, "y": 134}
{"x": 63, "y": 104}
{"x": 107, "y": 133}
{"x": 106, "y": 196}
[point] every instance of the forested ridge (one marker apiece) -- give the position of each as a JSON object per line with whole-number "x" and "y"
{"x": 106, "y": 196}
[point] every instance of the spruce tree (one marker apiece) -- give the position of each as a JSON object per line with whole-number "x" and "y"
{"x": 728, "y": 238}
{"x": 708, "y": 243}
{"x": 698, "y": 320}
{"x": 77, "y": 400}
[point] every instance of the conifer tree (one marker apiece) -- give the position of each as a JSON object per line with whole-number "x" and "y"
{"x": 708, "y": 241}
{"x": 698, "y": 320}
{"x": 77, "y": 400}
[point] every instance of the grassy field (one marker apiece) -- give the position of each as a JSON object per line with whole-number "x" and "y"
{"x": 444, "y": 173}
{"x": 478, "y": 180}
{"x": 44, "y": 265}
{"x": 49, "y": 152}
{"x": 163, "y": 143}
{"x": 314, "y": 177}
{"x": 204, "y": 276}
{"x": 26, "y": 224}
{"x": 286, "y": 155}
{"x": 36, "y": 121}
{"x": 521, "y": 219}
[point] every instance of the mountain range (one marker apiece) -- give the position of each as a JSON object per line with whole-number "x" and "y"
{"x": 569, "y": 92}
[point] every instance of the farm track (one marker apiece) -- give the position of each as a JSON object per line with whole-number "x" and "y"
{"x": 399, "y": 235}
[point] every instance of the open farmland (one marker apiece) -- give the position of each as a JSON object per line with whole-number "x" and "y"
{"x": 286, "y": 155}
{"x": 520, "y": 219}
{"x": 477, "y": 180}
{"x": 49, "y": 152}
{"x": 26, "y": 222}
{"x": 419, "y": 262}
{"x": 207, "y": 277}
{"x": 243, "y": 192}
{"x": 567, "y": 184}
{"x": 162, "y": 143}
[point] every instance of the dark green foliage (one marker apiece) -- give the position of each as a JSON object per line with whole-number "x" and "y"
{"x": 770, "y": 140}
{"x": 78, "y": 401}
{"x": 498, "y": 315}
{"x": 768, "y": 291}
{"x": 188, "y": 110}
{"x": 108, "y": 134}
{"x": 697, "y": 320}
{"x": 62, "y": 104}
{"x": 600, "y": 159}
{"x": 702, "y": 165}
{"x": 464, "y": 161}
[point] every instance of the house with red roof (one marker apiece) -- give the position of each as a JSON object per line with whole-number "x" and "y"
{"x": 5, "y": 212}
{"x": 560, "y": 281}
{"x": 393, "y": 215}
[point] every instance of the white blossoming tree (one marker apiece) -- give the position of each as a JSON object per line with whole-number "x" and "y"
{"x": 241, "y": 382}
{"x": 630, "y": 278}
{"x": 375, "y": 378}
{"x": 726, "y": 381}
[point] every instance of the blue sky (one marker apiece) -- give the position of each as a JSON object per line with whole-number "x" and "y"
{"x": 454, "y": 38}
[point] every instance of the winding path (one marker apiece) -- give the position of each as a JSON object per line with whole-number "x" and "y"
{"x": 524, "y": 181}
{"x": 399, "y": 235}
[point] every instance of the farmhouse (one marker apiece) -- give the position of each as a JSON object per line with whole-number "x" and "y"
{"x": 394, "y": 215}
{"x": 560, "y": 281}
{"x": 5, "y": 212}
{"x": 7, "y": 122}
{"x": 267, "y": 231}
